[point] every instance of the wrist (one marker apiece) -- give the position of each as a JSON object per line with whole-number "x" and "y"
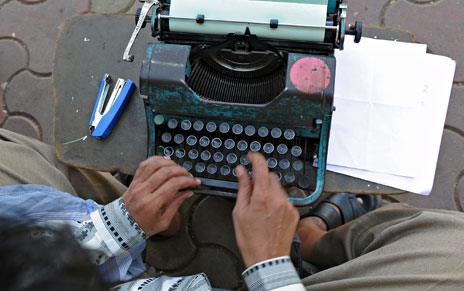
{"x": 256, "y": 257}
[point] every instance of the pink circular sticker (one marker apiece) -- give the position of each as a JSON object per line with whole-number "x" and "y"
{"x": 310, "y": 75}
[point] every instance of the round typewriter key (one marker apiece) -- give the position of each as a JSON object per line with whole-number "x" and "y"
{"x": 244, "y": 161}
{"x": 242, "y": 145}
{"x": 225, "y": 170}
{"x": 224, "y": 127}
{"x": 212, "y": 169}
{"x": 204, "y": 141}
{"x": 205, "y": 155}
{"x": 187, "y": 165}
{"x": 304, "y": 182}
{"x": 198, "y": 125}
{"x": 272, "y": 163}
{"x": 289, "y": 178}
{"x": 191, "y": 140}
{"x": 193, "y": 154}
{"x": 229, "y": 144}
{"x": 168, "y": 151}
{"x": 278, "y": 175}
{"x": 211, "y": 127}
{"x": 237, "y": 129}
{"x": 172, "y": 123}
{"x": 284, "y": 164}
{"x": 282, "y": 149}
{"x": 250, "y": 130}
{"x": 289, "y": 134}
{"x": 200, "y": 167}
{"x": 180, "y": 153}
{"x": 263, "y": 131}
{"x": 296, "y": 151}
{"x": 297, "y": 165}
{"x": 216, "y": 142}
{"x": 268, "y": 148}
{"x": 276, "y": 132}
{"x": 231, "y": 158}
{"x": 159, "y": 150}
{"x": 178, "y": 138}
{"x": 218, "y": 157}
{"x": 186, "y": 124}
{"x": 255, "y": 146}
{"x": 166, "y": 137}
{"x": 159, "y": 119}
{"x": 234, "y": 172}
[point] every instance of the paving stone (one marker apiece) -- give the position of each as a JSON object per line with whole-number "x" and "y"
{"x": 459, "y": 193}
{"x": 212, "y": 223}
{"x": 32, "y": 95}
{"x": 13, "y": 57}
{"x": 439, "y": 26}
{"x": 455, "y": 115}
{"x": 37, "y": 26}
{"x": 387, "y": 33}
{"x": 450, "y": 164}
{"x": 22, "y": 125}
{"x": 105, "y": 6}
{"x": 367, "y": 11}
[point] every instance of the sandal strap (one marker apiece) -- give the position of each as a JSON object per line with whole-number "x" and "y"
{"x": 328, "y": 213}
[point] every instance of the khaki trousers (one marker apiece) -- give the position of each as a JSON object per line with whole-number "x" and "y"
{"x": 396, "y": 247}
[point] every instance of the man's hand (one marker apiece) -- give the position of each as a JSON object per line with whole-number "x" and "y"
{"x": 153, "y": 197}
{"x": 264, "y": 220}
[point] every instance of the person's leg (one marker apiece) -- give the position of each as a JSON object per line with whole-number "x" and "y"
{"x": 25, "y": 160}
{"x": 394, "y": 247}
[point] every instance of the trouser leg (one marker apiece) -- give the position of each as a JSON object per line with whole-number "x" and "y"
{"x": 396, "y": 247}
{"x": 25, "y": 160}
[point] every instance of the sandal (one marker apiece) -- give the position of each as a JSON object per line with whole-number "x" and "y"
{"x": 348, "y": 208}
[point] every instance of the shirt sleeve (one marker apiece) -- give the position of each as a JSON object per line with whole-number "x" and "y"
{"x": 276, "y": 274}
{"x": 108, "y": 232}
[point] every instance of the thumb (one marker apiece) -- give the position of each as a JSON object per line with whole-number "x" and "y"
{"x": 245, "y": 186}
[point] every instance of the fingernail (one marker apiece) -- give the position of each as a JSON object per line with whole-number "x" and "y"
{"x": 190, "y": 194}
{"x": 167, "y": 157}
{"x": 198, "y": 180}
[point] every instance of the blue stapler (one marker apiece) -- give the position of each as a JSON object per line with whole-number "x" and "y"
{"x": 106, "y": 112}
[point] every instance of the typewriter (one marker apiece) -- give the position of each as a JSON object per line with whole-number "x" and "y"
{"x": 228, "y": 77}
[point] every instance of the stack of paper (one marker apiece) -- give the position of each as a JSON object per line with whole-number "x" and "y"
{"x": 391, "y": 100}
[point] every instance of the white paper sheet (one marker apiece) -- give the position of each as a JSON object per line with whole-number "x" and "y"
{"x": 391, "y": 101}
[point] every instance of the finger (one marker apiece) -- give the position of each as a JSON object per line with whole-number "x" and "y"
{"x": 163, "y": 174}
{"x": 244, "y": 187}
{"x": 277, "y": 189}
{"x": 151, "y": 165}
{"x": 166, "y": 193}
{"x": 174, "y": 206}
{"x": 260, "y": 173}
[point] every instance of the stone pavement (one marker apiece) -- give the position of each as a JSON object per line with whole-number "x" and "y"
{"x": 28, "y": 33}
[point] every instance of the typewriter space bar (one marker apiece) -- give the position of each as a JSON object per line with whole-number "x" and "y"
{"x": 218, "y": 183}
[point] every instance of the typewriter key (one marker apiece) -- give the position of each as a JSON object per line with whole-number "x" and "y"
{"x": 211, "y": 127}
{"x": 191, "y": 140}
{"x": 272, "y": 163}
{"x": 289, "y": 134}
{"x": 178, "y": 138}
{"x": 237, "y": 129}
{"x": 218, "y": 157}
{"x": 244, "y": 161}
{"x": 255, "y": 146}
{"x": 193, "y": 154}
{"x": 159, "y": 119}
{"x": 231, "y": 158}
{"x": 200, "y": 167}
{"x": 225, "y": 170}
{"x": 289, "y": 177}
{"x": 250, "y": 130}
{"x": 216, "y": 142}
{"x": 297, "y": 165}
{"x": 242, "y": 145}
{"x": 205, "y": 155}
{"x": 234, "y": 172}
{"x": 185, "y": 124}
{"x": 282, "y": 149}
{"x": 278, "y": 175}
{"x": 263, "y": 131}
{"x": 229, "y": 144}
{"x": 268, "y": 148}
{"x": 212, "y": 169}
{"x": 168, "y": 151}
{"x": 166, "y": 137}
{"x": 198, "y": 125}
{"x": 276, "y": 132}
{"x": 204, "y": 141}
{"x": 187, "y": 165}
{"x": 172, "y": 123}
{"x": 296, "y": 151}
{"x": 180, "y": 153}
{"x": 284, "y": 164}
{"x": 303, "y": 182}
{"x": 224, "y": 127}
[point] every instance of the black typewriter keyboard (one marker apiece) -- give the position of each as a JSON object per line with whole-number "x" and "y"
{"x": 211, "y": 150}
